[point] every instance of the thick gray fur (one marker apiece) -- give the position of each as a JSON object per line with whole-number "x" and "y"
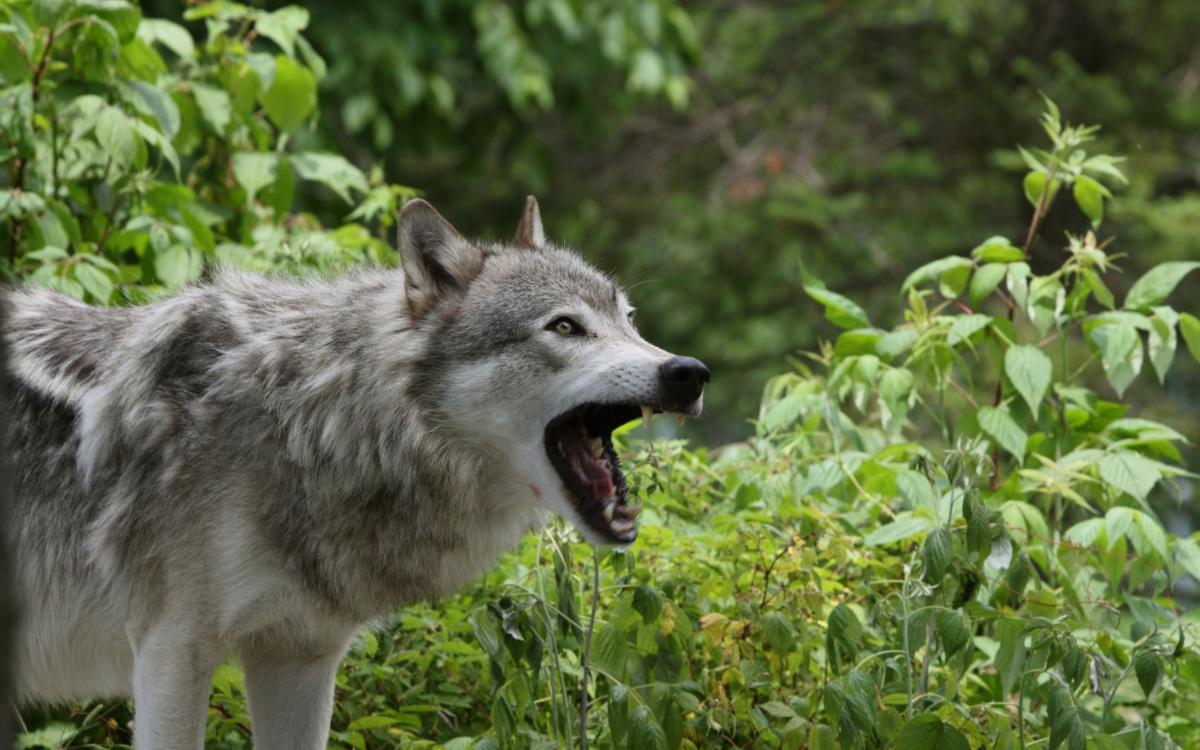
{"x": 7, "y": 600}
{"x": 260, "y": 466}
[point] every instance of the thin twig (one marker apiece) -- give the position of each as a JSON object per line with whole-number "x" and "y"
{"x": 963, "y": 392}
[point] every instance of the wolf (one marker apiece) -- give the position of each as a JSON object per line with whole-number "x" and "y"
{"x": 259, "y": 466}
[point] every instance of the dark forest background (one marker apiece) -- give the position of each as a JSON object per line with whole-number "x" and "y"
{"x": 707, "y": 152}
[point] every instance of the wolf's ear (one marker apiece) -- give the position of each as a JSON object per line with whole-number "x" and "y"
{"x": 529, "y": 231}
{"x": 438, "y": 261}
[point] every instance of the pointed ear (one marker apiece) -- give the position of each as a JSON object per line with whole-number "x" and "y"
{"x": 438, "y": 261}
{"x": 529, "y": 231}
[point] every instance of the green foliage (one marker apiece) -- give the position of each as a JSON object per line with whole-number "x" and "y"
{"x": 134, "y": 158}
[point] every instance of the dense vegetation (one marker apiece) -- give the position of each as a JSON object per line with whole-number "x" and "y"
{"x": 942, "y": 533}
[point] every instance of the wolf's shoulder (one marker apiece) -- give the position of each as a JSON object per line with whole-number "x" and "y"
{"x": 62, "y": 348}
{"x": 57, "y": 345}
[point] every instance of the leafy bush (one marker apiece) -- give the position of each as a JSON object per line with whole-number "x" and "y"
{"x": 941, "y": 535}
{"x": 133, "y": 157}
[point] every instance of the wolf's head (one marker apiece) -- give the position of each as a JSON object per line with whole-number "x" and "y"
{"x": 533, "y": 359}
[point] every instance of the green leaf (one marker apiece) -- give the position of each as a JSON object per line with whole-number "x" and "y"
{"x": 895, "y": 385}
{"x": 1129, "y": 472}
{"x": 979, "y": 535}
{"x": 1161, "y": 343}
{"x": 1106, "y": 165}
{"x": 292, "y": 96}
{"x": 115, "y": 135}
{"x": 896, "y": 343}
{"x": 1034, "y": 184}
{"x": 1147, "y": 665}
{"x": 618, "y": 711}
{"x": 121, "y": 16}
{"x": 1187, "y": 555}
{"x": 779, "y": 632}
{"x": 283, "y": 27}
{"x": 159, "y": 105}
{"x": 954, "y": 280}
{"x": 903, "y": 527}
{"x": 171, "y": 35}
{"x": 644, "y": 732}
{"x": 777, "y": 709}
{"x": 1090, "y": 195}
{"x": 47, "y": 254}
{"x": 840, "y": 311}
{"x": 254, "y": 170}
{"x": 1010, "y": 657}
{"x": 487, "y": 630}
{"x": 1157, "y": 284}
{"x": 1017, "y": 282}
{"x": 997, "y": 250}
{"x": 647, "y": 602}
{"x": 929, "y": 732}
{"x": 934, "y": 269}
{"x": 1121, "y": 353}
{"x": 952, "y": 631}
{"x": 1029, "y": 370}
{"x": 1098, "y": 287}
{"x": 96, "y": 282}
{"x": 844, "y": 634}
{"x": 215, "y": 105}
{"x": 999, "y": 424}
{"x": 894, "y": 389}
{"x": 609, "y": 651}
{"x": 857, "y": 341}
{"x": 374, "y": 721}
{"x": 985, "y": 281}
{"x": 966, "y": 326}
{"x": 331, "y": 170}
{"x": 822, "y": 738}
{"x": 174, "y": 266}
{"x": 936, "y": 554}
{"x": 1189, "y": 326}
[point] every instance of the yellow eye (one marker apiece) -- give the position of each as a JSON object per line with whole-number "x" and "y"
{"x": 565, "y": 327}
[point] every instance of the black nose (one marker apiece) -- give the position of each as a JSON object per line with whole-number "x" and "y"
{"x": 684, "y": 378}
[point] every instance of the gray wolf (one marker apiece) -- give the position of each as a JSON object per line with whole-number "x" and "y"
{"x": 259, "y": 466}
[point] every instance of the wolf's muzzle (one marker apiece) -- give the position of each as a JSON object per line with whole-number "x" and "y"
{"x": 683, "y": 378}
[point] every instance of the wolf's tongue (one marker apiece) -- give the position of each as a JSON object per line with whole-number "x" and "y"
{"x": 594, "y": 473}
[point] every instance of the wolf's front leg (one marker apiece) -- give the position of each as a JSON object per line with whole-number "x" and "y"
{"x": 172, "y": 678}
{"x": 290, "y": 695}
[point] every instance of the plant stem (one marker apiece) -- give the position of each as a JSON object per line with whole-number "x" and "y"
{"x": 587, "y": 650}
{"x": 907, "y": 646}
{"x": 1021, "y": 712}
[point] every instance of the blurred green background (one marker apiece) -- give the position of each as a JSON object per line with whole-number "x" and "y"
{"x": 706, "y": 151}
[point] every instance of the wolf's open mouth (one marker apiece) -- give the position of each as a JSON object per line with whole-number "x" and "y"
{"x": 579, "y": 444}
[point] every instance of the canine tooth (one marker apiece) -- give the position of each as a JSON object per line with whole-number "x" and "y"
{"x": 647, "y": 414}
{"x": 631, "y": 511}
{"x": 608, "y": 512}
{"x": 679, "y": 418}
{"x": 596, "y": 446}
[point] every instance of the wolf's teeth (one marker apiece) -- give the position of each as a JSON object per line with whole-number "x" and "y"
{"x": 631, "y": 511}
{"x": 608, "y": 512}
{"x": 622, "y": 526}
{"x": 679, "y": 418}
{"x": 596, "y": 446}
{"x": 647, "y": 414}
